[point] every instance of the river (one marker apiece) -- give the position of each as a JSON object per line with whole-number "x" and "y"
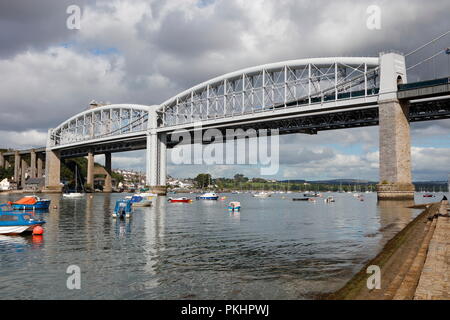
{"x": 274, "y": 248}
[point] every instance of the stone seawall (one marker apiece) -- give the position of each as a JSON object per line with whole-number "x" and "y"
{"x": 415, "y": 264}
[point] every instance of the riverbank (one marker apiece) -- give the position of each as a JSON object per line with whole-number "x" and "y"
{"x": 415, "y": 264}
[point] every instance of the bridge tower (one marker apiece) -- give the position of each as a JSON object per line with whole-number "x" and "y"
{"x": 394, "y": 132}
{"x": 156, "y": 157}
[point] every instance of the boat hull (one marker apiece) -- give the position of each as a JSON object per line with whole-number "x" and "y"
{"x": 13, "y": 229}
{"x": 73, "y": 195}
{"x": 208, "y": 198}
{"x": 142, "y": 203}
{"x": 40, "y": 205}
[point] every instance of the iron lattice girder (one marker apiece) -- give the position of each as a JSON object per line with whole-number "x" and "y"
{"x": 429, "y": 110}
{"x": 100, "y": 122}
{"x": 101, "y": 148}
{"x": 422, "y": 111}
{"x": 263, "y": 88}
{"x": 419, "y": 111}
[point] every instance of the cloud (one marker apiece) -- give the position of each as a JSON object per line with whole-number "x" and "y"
{"x": 24, "y": 139}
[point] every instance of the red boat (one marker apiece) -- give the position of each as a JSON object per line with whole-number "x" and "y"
{"x": 428, "y": 196}
{"x": 185, "y": 200}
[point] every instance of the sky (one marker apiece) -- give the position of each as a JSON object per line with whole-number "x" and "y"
{"x": 144, "y": 52}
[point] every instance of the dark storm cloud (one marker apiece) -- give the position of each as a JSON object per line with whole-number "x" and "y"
{"x": 28, "y": 24}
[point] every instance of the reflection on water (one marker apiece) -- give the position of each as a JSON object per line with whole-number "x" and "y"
{"x": 274, "y": 248}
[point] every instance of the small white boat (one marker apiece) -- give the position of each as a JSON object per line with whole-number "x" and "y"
{"x": 142, "y": 199}
{"x": 208, "y": 196}
{"x": 329, "y": 200}
{"x": 73, "y": 195}
{"x": 262, "y": 195}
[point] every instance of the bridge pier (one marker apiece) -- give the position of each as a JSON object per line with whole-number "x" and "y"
{"x": 24, "y": 167}
{"x": 108, "y": 179}
{"x": 2, "y": 160}
{"x": 33, "y": 168}
{"x": 52, "y": 172}
{"x": 17, "y": 160}
{"x": 90, "y": 169}
{"x": 156, "y": 162}
{"x": 40, "y": 168}
{"x": 394, "y": 133}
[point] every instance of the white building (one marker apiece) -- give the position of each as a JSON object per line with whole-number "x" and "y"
{"x": 5, "y": 185}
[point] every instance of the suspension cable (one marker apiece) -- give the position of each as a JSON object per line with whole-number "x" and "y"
{"x": 427, "y": 59}
{"x": 428, "y": 43}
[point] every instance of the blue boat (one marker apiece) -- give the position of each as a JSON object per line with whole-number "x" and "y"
{"x": 234, "y": 206}
{"x": 31, "y": 203}
{"x": 15, "y": 223}
{"x": 122, "y": 209}
{"x": 208, "y": 196}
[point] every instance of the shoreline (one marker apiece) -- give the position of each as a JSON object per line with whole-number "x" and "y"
{"x": 401, "y": 262}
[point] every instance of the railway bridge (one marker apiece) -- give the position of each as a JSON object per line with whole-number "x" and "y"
{"x": 297, "y": 96}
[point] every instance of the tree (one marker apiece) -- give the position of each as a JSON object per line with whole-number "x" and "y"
{"x": 6, "y": 173}
{"x": 240, "y": 178}
{"x": 202, "y": 180}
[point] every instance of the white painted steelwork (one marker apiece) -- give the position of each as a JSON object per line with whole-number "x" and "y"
{"x": 101, "y": 123}
{"x": 272, "y": 86}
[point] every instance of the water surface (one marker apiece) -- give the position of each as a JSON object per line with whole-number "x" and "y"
{"x": 274, "y": 248}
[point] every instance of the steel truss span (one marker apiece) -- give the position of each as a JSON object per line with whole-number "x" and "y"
{"x": 268, "y": 87}
{"x": 107, "y": 121}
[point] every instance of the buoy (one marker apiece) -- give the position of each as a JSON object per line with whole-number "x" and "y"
{"x": 38, "y": 230}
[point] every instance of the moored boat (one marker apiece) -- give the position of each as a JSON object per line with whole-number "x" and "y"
{"x": 17, "y": 223}
{"x": 208, "y": 196}
{"x": 183, "y": 200}
{"x": 122, "y": 209}
{"x": 31, "y": 203}
{"x": 234, "y": 206}
{"x": 262, "y": 195}
{"x": 329, "y": 200}
{"x": 73, "y": 195}
{"x": 141, "y": 200}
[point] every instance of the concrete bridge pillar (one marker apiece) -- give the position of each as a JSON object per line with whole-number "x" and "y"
{"x": 24, "y": 167}
{"x": 17, "y": 160}
{"x": 156, "y": 157}
{"x": 394, "y": 132}
{"x": 162, "y": 153}
{"x": 2, "y": 160}
{"x": 40, "y": 167}
{"x": 33, "y": 173}
{"x": 152, "y": 159}
{"x": 108, "y": 179}
{"x": 90, "y": 169}
{"x": 52, "y": 171}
